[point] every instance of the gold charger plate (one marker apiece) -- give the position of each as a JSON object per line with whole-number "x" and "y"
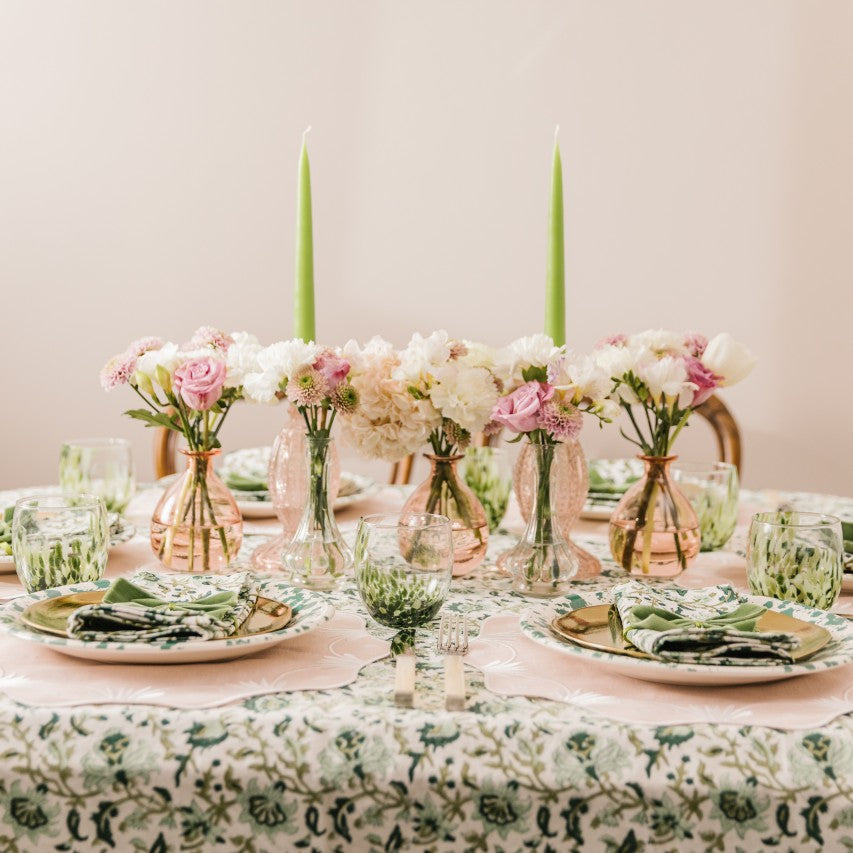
{"x": 592, "y": 628}
{"x": 50, "y": 615}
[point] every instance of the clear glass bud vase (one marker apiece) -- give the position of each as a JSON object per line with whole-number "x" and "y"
{"x": 196, "y": 525}
{"x": 654, "y": 531}
{"x": 444, "y": 492}
{"x": 288, "y": 486}
{"x": 317, "y": 556}
{"x": 571, "y": 485}
{"x": 542, "y": 564}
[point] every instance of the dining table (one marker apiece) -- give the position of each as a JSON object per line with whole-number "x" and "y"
{"x": 300, "y": 746}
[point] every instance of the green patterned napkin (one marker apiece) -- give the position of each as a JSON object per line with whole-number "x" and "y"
{"x": 155, "y": 608}
{"x": 711, "y": 626}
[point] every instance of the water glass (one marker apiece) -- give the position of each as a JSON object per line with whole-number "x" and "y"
{"x": 98, "y": 466}
{"x": 59, "y": 540}
{"x": 795, "y": 556}
{"x": 403, "y": 565}
{"x": 712, "y": 488}
{"x": 488, "y": 474}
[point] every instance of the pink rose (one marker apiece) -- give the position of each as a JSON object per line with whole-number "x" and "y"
{"x": 520, "y": 410}
{"x": 705, "y": 380}
{"x": 333, "y": 367}
{"x": 199, "y": 382}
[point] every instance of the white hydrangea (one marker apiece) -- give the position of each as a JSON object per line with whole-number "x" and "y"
{"x": 662, "y": 341}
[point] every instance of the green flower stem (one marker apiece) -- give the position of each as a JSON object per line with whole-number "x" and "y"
{"x": 542, "y": 514}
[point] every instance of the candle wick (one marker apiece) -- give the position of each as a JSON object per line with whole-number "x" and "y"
{"x": 305, "y": 133}
{"x": 556, "y": 132}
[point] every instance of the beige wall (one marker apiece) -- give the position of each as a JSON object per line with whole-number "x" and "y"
{"x": 148, "y": 158}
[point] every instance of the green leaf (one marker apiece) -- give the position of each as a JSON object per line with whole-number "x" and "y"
{"x": 154, "y": 419}
{"x": 535, "y": 374}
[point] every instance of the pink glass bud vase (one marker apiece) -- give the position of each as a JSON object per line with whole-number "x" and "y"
{"x": 654, "y": 531}
{"x": 571, "y": 485}
{"x": 197, "y": 525}
{"x": 444, "y": 492}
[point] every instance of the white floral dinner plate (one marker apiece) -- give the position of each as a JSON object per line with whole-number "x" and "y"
{"x": 535, "y": 624}
{"x": 309, "y": 612}
{"x": 121, "y": 530}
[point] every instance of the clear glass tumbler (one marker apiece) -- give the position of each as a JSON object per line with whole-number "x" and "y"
{"x": 98, "y": 466}
{"x": 795, "y": 556}
{"x": 59, "y": 540}
{"x": 712, "y": 489}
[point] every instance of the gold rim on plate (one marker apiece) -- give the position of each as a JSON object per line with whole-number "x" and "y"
{"x": 50, "y": 615}
{"x": 594, "y": 628}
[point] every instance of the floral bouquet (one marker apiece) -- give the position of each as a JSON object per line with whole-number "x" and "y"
{"x": 659, "y": 378}
{"x": 458, "y": 380}
{"x": 315, "y": 380}
{"x": 190, "y": 389}
{"x": 548, "y": 392}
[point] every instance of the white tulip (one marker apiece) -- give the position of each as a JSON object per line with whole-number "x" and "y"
{"x": 728, "y": 359}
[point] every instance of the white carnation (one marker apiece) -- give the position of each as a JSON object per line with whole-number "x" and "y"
{"x": 464, "y": 394}
{"x": 242, "y": 358}
{"x": 531, "y": 351}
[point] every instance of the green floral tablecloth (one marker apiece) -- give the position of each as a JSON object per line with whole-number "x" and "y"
{"x": 346, "y": 770}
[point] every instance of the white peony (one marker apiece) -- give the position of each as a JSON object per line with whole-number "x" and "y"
{"x": 464, "y": 394}
{"x": 730, "y": 360}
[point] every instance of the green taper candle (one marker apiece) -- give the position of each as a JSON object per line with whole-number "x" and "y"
{"x": 555, "y": 279}
{"x": 303, "y": 306}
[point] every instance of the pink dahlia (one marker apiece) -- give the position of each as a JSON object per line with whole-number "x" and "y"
{"x": 308, "y": 387}
{"x": 209, "y": 336}
{"x": 118, "y": 370}
{"x": 561, "y": 420}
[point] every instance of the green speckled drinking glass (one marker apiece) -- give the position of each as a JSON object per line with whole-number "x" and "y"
{"x": 795, "y": 556}
{"x": 59, "y": 540}
{"x": 403, "y": 565}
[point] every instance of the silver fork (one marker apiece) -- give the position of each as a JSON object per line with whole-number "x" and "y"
{"x": 452, "y": 642}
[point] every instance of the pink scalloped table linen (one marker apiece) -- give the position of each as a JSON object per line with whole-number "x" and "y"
{"x": 328, "y": 657}
{"x": 514, "y": 665}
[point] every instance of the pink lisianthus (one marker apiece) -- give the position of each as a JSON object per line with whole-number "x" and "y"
{"x": 520, "y": 411}
{"x": 199, "y": 382}
{"x": 695, "y": 344}
{"x": 704, "y": 379}
{"x": 333, "y": 367}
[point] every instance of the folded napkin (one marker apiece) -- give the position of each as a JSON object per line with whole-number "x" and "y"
{"x": 157, "y": 608}
{"x": 714, "y": 625}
